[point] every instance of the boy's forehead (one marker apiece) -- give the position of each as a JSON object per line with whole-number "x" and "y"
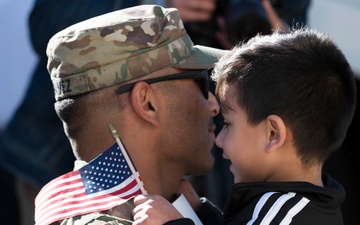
{"x": 223, "y": 90}
{"x": 227, "y": 97}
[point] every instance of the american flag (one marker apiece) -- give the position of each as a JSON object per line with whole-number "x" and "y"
{"x": 102, "y": 184}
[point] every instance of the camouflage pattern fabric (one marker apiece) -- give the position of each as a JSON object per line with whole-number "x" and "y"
{"x": 96, "y": 219}
{"x": 122, "y": 45}
{"x": 121, "y": 214}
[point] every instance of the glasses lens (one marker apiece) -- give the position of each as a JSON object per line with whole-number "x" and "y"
{"x": 204, "y": 86}
{"x": 201, "y": 77}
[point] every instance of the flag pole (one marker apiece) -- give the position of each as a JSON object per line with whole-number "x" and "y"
{"x": 127, "y": 158}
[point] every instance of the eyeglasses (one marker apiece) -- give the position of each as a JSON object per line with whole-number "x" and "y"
{"x": 201, "y": 78}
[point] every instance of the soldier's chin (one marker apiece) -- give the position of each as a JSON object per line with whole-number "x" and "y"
{"x": 205, "y": 168}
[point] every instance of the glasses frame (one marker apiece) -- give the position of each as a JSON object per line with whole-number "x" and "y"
{"x": 198, "y": 75}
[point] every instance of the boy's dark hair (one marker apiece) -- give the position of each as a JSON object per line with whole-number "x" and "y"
{"x": 301, "y": 76}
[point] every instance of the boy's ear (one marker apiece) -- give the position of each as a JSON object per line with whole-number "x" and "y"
{"x": 145, "y": 102}
{"x": 276, "y": 132}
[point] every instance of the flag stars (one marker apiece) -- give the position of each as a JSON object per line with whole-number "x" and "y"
{"x": 93, "y": 180}
{"x": 105, "y": 172}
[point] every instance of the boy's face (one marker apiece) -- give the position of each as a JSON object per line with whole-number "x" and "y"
{"x": 242, "y": 143}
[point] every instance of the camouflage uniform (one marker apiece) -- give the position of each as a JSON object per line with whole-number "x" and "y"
{"x": 116, "y": 216}
{"x": 96, "y": 219}
{"x": 208, "y": 214}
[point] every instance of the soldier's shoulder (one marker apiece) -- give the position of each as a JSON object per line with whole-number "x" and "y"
{"x": 96, "y": 219}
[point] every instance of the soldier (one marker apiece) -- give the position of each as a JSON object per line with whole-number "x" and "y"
{"x": 138, "y": 70}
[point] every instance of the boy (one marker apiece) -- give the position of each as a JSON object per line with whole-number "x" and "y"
{"x": 287, "y": 102}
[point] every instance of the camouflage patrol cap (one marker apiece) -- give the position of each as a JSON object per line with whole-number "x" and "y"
{"x": 120, "y": 46}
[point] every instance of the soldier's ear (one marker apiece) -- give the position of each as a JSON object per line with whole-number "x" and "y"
{"x": 145, "y": 102}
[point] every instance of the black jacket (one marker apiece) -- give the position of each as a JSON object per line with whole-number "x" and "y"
{"x": 285, "y": 203}
{"x": 280, "y": 203}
